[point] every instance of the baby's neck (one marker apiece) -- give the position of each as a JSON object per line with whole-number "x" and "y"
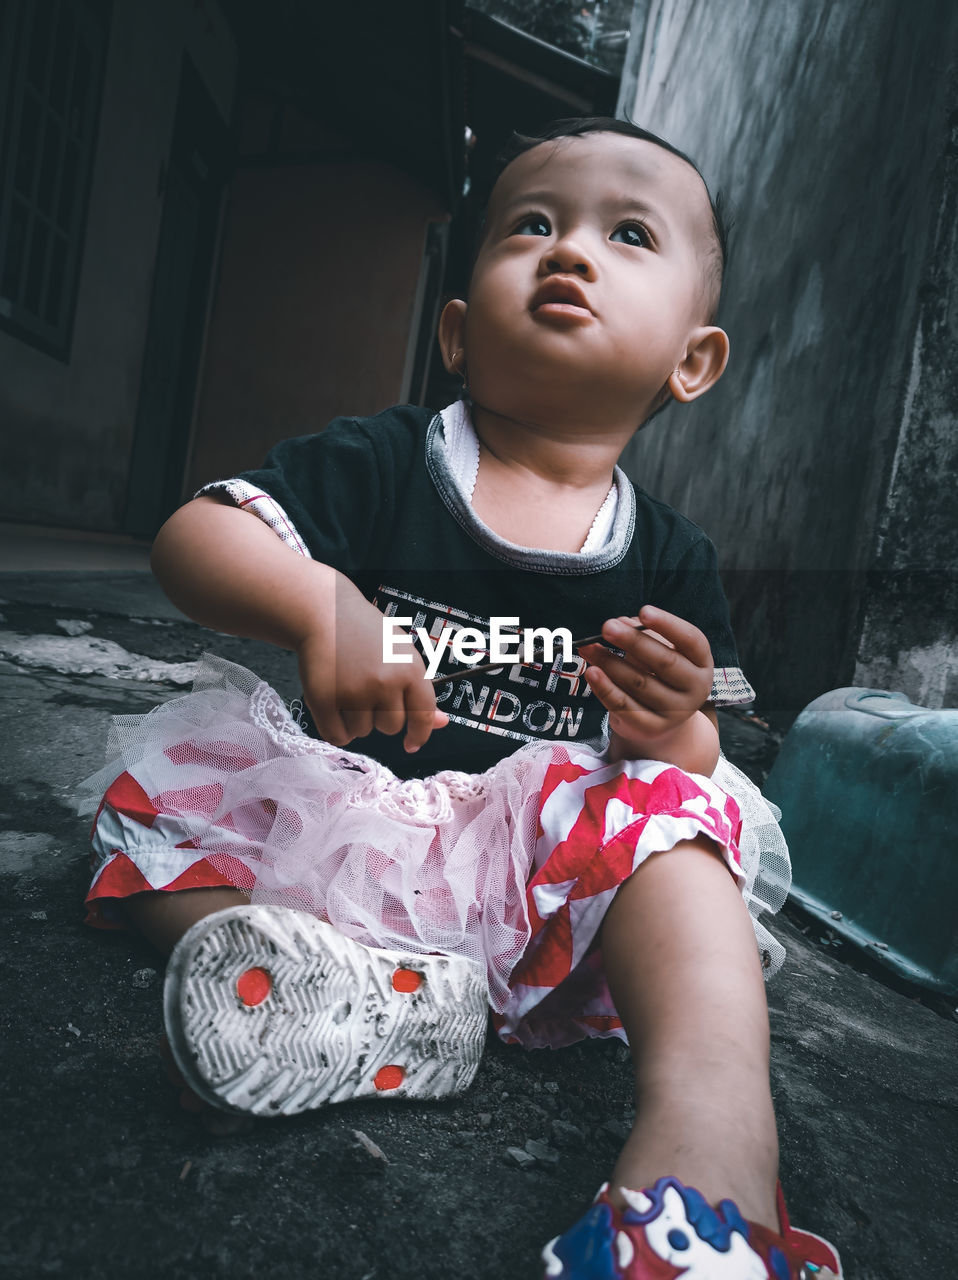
{"x": 538, "y": 486}
{"x": 571, "y": 454}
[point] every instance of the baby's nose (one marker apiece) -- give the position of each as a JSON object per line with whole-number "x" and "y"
{"x": 554, "y": 264}
{"x": 569, "y": 257}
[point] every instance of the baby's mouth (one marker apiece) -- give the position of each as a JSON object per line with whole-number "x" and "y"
{"x": 560, "y": 296}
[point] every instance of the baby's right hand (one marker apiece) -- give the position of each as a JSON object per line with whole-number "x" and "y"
{"x": 350, "y": 690}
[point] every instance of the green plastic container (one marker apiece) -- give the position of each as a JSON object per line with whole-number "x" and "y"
{"x": 868, "y": 787}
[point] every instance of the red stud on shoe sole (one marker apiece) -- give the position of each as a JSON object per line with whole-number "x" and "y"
{"x": 254, "y": 986}
{"x": 407, "y": 980}
{"x": 389, "y": 1078}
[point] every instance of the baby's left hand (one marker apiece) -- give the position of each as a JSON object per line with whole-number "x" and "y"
{"x": 663, "y": 679}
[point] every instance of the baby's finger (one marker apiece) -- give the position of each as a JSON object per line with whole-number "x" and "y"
{"x": 421, "y": 714}
{"x": 358, "y": 721}
{"x": 389, "y": 717}
{"x": 329, "y": 723}
{"x": 658, "y": 656}
{"x": 648, "y": 662}
{"x": 620, "y": 705}
{"x": 639, "y": 684}
{"x": 687, "y": 638}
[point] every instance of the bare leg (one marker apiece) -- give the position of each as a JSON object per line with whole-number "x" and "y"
{"x": 683, "y": 968}
{"x": 163, "y": 918}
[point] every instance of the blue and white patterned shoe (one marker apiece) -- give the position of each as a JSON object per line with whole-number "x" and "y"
{"x": 671, "y": 1232}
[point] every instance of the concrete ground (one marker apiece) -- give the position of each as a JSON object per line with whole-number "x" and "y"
{"x": 104, "y": 1175}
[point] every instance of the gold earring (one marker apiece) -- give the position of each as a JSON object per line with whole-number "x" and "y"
{"x": 459, "y": 368}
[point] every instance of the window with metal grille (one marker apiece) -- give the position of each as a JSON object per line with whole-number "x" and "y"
{"x": 51, "y": 70}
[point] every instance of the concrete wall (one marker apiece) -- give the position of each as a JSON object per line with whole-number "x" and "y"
{"x": 910, "y": 621}
{"x": 824, "y": 463}
{"x": 68, "y": 426}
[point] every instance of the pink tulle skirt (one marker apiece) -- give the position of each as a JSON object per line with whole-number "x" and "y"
{"x": 514, "y": 867}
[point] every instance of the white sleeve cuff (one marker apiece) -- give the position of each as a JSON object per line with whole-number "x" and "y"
{"x": 243, "y": 494}
{"x": 729, "y": 687}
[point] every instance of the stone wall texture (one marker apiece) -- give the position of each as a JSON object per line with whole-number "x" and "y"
{"x": 824, "y": 465}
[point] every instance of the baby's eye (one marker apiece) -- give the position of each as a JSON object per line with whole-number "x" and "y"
{"x": 632, "y": 233}
{"x": 534, "y": 225}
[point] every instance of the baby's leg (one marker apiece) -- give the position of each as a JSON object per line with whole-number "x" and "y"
{"x": 681, "y": 961}
{"x": 162, "y": 918}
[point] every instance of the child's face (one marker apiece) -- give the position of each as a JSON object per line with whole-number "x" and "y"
{"x": 591, "y": 283}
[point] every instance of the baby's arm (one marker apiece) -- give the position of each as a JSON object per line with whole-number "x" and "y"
{"x": 657, "y": 694}
{"x": 228, "y": 570}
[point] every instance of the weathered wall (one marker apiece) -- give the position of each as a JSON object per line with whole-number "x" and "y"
{"x": 824, "y": 463}
{"x": 910, "y": 621}
{"x": 67, "y": 426}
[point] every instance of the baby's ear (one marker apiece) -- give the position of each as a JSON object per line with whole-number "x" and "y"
{"x": 704, "y": 364}
{"x": 452, "y": 326}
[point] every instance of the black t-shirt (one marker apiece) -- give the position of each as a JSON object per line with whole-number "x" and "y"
{"x": 375, "y": 498}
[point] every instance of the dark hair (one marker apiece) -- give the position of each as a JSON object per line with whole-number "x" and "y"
{"x": 577, "y": 127}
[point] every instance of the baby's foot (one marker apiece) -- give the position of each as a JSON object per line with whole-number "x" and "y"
{"x": 273, "y": 1012}
{"x": 671, "y": 1226}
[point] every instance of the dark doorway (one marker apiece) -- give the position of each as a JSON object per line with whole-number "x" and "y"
{"x": 193, "y": 186}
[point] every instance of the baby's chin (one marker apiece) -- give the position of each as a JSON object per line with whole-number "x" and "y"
{"x": 563, "y": 397}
